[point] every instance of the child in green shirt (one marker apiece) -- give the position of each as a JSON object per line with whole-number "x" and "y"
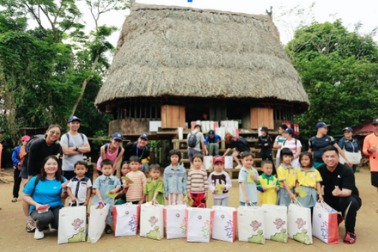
{"x": 154, "y": 190}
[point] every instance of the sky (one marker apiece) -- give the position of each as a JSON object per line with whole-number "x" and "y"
{"x": 350, "y": 12}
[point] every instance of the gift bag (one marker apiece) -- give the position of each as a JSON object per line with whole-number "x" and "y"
{"x": 97, "y": 222}
{"x": 275, "y": 221}
{"x": 251, "y": 224}
{"x": 199, "y": 224}
{"x": 224, "y": 224}
{"x": 208, "y": 162}
{"x": 324, "y": 223}
{"x": 151, "y": 221}
{"x": 72, "y": 224}
{"x": 126, "y": 219}
{"x": 228, "y": 162}
{"x": 299, "y": 223}
{"x": 175, "y": 221}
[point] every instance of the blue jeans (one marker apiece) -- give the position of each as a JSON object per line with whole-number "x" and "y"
{"x": 252, "y": 204}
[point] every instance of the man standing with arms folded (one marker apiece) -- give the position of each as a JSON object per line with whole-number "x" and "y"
{"x": 370, "y": 149}
{"x": 316, "y": 144}
{"x": 74, "y": 144}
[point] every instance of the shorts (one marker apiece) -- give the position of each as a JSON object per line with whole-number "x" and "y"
{"x": 191, "y": 152}
{"x": 374, "y": 179}
{"x": 24, "y": 172}
{"x": 145, "y": 168}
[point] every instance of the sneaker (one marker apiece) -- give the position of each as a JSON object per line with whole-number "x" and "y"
{"x": 350, "y": 238}
{"x": 339, "y": 219}
{"x": 30, "y": 226}
{"x": 38, "y": 234}
{"x": 238, "y": 167}
{"x": 52, "y": 229}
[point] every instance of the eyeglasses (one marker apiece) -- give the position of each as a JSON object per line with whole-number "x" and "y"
{"x": 55, "y": 133}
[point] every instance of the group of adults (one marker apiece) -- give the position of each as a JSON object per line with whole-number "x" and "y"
{"x": 336, "y": 162}
{"x": 37, "y": 166}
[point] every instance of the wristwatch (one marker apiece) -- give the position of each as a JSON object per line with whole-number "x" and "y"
{"x": 77, "y": 149}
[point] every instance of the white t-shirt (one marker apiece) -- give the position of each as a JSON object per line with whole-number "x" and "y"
{"x": 68, "y": 163}
{"x": 81, "y": 192}
{"x": 292, "y": 145}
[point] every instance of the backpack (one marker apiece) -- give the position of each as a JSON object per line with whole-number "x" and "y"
{"x": 119, "y": 149}
{"x": 312, "y": 140}
{"x": 192, "y": 140}
{"x": 38, "y": 178}
{"x": 243, "y": 140}
{"x": 68, "y": 137}
{"x": 32, "y": 140}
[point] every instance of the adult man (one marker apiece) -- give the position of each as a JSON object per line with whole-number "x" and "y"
{"x": 212, "y": 143}
{"x": 340, "y": 191}
{"x": 317, "y": 143}
{"x": 74, "y": 144}
{"x": 278, "y": 143}
{"x": 370, "y": 149}
{"x": 138, "y": 148}
{"x": 200, "y": 140}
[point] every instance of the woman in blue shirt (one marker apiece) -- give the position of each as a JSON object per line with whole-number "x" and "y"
{"x": 349, "y": 144}
{"x": 46, "y": 189}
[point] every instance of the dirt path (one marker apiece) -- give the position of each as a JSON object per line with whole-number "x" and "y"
{"x": 13, "y": 236}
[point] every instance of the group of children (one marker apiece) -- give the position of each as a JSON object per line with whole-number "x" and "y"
{"x": 178, "y": 187}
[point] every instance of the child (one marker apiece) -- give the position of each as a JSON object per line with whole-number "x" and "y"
{"x": 79, "y": 187}
{"x": 175, "y": 180}
{"x": 135, "y": 191}
{"x": 125, "y": 184}
{"x": 286, "y": 176}
{"x": 197, "y": 183}
{"x": 308, "y": 178}
{"x": 219, "y": 182}
{"x": 268, "y": 185}
{"x": 103, "y": 184}
{"x": 248, "y": 177}
{"x": 145, "y": 163}
{"x": 154, "y": 189}
{"x": 265, "y": 143}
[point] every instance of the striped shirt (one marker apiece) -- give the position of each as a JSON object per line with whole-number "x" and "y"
{"x": 135, "y": 191}
{"x": 197, "y": 181}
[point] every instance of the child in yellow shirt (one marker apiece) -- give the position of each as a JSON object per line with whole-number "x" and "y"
{"x": 287, "y": 176}
{"x": 268, "y": 185}
{"x": 308, "y": 179}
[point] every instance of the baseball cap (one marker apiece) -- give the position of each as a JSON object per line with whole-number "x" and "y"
{"x": 321, "y": 125}
{"x": 264, "y": 129}
{"x": 375, "y": 121}
{"x": 218, "y": 159}
{"x": 348, "y": 128}
{"x": 73, "y": 118}
{"x": 211, "y": 133}
{"x": 289, "y": 130}
{"x": 25, "y": 138}
{"x": 144, "y": 136}
{"x": 117, "y": 136}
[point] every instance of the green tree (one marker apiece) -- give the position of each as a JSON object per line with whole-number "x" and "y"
{"x": 339, "y": 72}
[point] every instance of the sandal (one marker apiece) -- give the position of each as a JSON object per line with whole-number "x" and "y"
{"x": 108, "y": 229}
{"x": 14, "y": 200}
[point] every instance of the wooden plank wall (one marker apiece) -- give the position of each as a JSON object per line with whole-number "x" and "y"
{"x": 130, "y": 126}
{"x": 262, "y": 117}
{"x": 172, "y": 116}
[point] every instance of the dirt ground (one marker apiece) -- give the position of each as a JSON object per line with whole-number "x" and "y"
{"x": 13, "y": 236}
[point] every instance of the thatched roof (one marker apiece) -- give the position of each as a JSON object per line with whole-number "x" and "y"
{"x": 181, "y": 51}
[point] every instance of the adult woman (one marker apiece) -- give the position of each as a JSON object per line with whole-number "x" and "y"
{"x": 238, "y": 146}
{"x": 40, "y": 149}
{"x": 112, "y": 151}
{"x": 294, "y": 145}
{"x": 351, "y": 148}
{"x": 18, "y": 156}
{"x": 46, "y": 189}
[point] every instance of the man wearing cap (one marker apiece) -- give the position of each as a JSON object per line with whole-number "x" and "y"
{"x": 316, "y": 144}
{"x": 74, "y": 144}
{"x": 138, "y": 148}
{"x": 18, "y": 156}
{"x": 212, "y": 143}
{"x": 351, "y": 147}
{"x": 294, "y": 145}
{"x": 370, "y": 149}
{"x": 200, "y": 142}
